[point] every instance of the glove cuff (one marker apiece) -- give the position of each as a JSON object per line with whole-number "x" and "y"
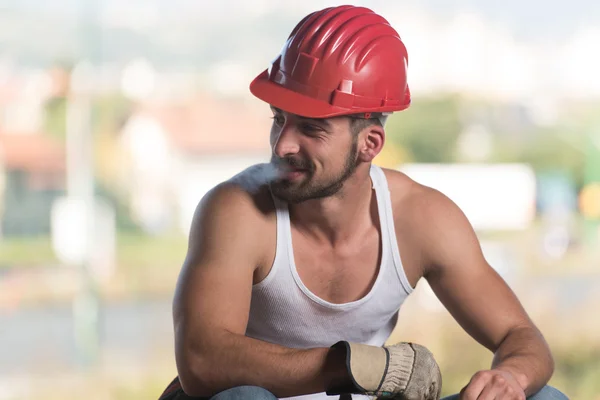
{"x": 367, "y": 367}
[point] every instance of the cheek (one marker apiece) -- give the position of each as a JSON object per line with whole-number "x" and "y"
{"x": 273, "y": 135}
{"x": 326, "y": 161}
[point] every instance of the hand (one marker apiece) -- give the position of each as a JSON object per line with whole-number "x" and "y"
{"x": 404, "y": 371}
{"x": 491, "y": 385}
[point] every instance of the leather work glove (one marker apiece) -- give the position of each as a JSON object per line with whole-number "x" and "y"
{"x": 405, "y": 371}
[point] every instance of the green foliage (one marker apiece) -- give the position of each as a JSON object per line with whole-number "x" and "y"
{"x": 109, "y": 113}
{"x": 135, "y": 252}
{"x": 577, "y": 370}
{"x": 56, "y": 117}
{"x": 428, "y": 129}
{"x": 27, "y": 251}
{"x": 124, "y": 221}
{"x": 545, "y": 149}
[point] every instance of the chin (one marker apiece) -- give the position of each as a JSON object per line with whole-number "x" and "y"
{"x": 285, "y": 194}
{"x": 288, "y": 193}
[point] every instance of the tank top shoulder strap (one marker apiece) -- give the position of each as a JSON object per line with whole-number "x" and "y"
{"x": 378, "y": 178}
{"x": 380, "y": 185}
{"x": 282, "y": 240}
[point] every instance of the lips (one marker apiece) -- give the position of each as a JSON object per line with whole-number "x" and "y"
{"x": 291, "y": 170}
{"x": 285, "y": 168}
{"x": 292, "y": 173}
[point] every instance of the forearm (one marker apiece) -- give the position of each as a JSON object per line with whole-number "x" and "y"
{"x": 525, "y": 354}
{"x": 230, "y": 360}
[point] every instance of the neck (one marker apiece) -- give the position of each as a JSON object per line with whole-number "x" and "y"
{"x": 336, "y": 218}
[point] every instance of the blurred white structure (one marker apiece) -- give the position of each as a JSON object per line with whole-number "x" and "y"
{"x": 492, "y": 196}
{"x": 70, "y": 240}
{"x": 138, "y": 79}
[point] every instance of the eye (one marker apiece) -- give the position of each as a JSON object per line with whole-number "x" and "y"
{"x": 278, "y": 119}
{"x": 309, "y": 129}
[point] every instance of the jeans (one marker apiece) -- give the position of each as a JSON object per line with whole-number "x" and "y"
{"x": 244, "y": 392}
{"x": 256, "y": 393}
{"x": 547, "y": 393}
{"x": 174, "y": 392}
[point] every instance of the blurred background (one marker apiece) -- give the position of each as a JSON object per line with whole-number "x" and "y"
{"x": 116, "y": 117}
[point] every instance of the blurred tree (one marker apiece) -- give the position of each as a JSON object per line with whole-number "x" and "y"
{"x": 392, "y": 155}
{"x": 108, "y": 117}
{"x": 545, "y": 149}
{"x": 56, "y": 117}
{"x": 109, "y": 113}
{"x": 56, "y": 106}
{"x": 428, "y": 129}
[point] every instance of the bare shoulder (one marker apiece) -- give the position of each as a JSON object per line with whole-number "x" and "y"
{"x": 412, "y": 201}
{"x": 245, "y": 196}
{"x": 233, "y": 215}
{"x": 437, "y": 226}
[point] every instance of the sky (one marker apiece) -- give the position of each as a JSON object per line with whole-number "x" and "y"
{"x": 536, "y": 19}
{"x": 508, "y": 48}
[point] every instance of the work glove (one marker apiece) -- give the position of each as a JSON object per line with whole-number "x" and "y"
{"x": 405, "y": 371}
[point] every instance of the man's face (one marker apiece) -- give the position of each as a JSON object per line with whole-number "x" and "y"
{"x": 313, "y": 156}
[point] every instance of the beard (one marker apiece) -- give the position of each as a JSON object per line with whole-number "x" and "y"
{"x": 308, "y": 189}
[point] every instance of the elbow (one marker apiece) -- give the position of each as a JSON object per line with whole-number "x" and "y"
{"x": 545, "y": 354}
{"x": 551, "y": 365}
{"x": 192, "y": 387}
{"x": 195, "y": 377}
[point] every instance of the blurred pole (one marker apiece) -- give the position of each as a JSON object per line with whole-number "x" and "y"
{"x": 80, "y": 188}
{"x": 80, "y": 191}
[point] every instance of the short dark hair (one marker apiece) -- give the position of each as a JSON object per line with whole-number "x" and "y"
{"x": 357, "y": 124}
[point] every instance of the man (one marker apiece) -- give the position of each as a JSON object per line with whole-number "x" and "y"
{"x": 291, "y": 286}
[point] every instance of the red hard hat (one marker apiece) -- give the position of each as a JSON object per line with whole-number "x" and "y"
{"x": 338, "y": 61}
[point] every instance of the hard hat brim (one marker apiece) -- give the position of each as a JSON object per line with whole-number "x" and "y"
{"x": 292, "y": 102}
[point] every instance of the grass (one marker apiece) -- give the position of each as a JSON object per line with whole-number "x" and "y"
{"x": 134, "y": 251}
{"x": 146, "y": 266}
{"x": 138, "y": 251}
{"x": 26, "y": 252}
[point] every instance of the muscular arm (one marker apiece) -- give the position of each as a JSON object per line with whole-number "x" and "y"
{"x": 476, "y": 296}
{"x": 212, "y": 303}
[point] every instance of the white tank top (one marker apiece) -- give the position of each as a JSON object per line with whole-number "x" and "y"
{"x": 284, "y": 311}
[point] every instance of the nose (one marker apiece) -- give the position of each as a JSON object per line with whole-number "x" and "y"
{"x": 285, "y": 141}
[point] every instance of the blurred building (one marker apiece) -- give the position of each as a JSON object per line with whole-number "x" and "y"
{"x": 32, "y": 164}
{"x": 176, "y": 153}
{"x": 33, "y": 169}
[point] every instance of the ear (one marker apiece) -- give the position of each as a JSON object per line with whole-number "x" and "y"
{"x": 370, "y": 143}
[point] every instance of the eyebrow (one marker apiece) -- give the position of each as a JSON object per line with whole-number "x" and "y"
{"x": 322, "y": 121}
